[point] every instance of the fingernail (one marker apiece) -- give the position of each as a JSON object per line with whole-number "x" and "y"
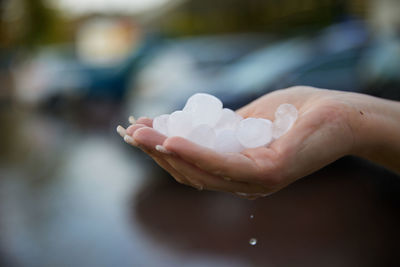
{"x": 162, "y": 149}
{"x": 227, "y": 179}
{"x": 121, "y": 131}
{"x": 130, "y": 140}
{"x": 131, "y": 120}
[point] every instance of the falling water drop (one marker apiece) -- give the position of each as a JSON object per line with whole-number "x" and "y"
{"x": 253, "y": 241}
{"x": 251, "y": 216}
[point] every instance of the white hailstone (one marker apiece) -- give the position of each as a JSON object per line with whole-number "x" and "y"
{"x": 286, "y": 109}
{"x": 227, "y": 142}
{"x": 204, "y": 109}
{"x": 229, "y": 120}
{"x": 254, "y": 132}
{"x": 204, "y": 122}
{"x": 202, "y": 135}
{"x": 160, "y": 124}
{"x": 285, "y": 116}
{"x": 179, "y": 124}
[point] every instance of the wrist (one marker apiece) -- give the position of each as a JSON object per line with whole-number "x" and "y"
{"x": 375, "y": 124}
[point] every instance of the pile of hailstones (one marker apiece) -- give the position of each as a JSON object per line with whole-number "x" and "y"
{"x": 204, "y": 122}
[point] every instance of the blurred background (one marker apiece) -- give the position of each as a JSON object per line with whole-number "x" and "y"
{"x": 72, "y": 193}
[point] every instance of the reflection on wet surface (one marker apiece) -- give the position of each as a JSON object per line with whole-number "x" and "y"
{"x": 73, "y": 197}
{"x": 336, "y": 217}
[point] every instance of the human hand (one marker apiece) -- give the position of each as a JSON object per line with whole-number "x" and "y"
{"x": 321, "y": 134}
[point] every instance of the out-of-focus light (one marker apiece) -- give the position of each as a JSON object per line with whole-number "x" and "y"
{"x": 79, "y": 7}
{"x": 104, "y": 41}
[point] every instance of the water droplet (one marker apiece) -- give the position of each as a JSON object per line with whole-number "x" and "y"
{"x": 251, "y": 216}
{"x": 253, "y": 241}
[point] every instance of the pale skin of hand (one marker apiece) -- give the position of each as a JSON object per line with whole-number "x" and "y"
{"x": 331, "y": 124}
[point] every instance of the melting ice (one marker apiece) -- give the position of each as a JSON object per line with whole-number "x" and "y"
{"x": 205, "y": 122}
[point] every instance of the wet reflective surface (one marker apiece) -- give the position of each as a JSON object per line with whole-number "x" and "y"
{"x": 73, "y": 194}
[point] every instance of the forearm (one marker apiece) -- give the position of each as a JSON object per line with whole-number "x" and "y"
{"x": 376, "y": 126}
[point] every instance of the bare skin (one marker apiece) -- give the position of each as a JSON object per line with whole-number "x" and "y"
{"x": 331, "y": 124}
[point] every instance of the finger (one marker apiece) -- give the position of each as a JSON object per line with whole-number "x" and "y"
{"x": 190, "y": 181}
{"x": 145, "y": 120}
{"x": 158, "y": 158}
{"x": 132, "y": 120}
{"x": 129, "y": 132}
{"x": 176, "y": 175}
{"x": 212, "y": 182}
{"x": 148, "y": 137}
{"x": 180, "y": 178}
{"x": 148, "y": 140}
{"x": 132, "y": 129}
{"x": 234, "y": 165}
{"x": 121, "y": 130}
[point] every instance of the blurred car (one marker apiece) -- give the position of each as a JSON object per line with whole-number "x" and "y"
{"x": 99, "y": 65}
{"x": 183, "y": 66}
{"x": 52, "y": 74}
{"x": 330, "y": 59}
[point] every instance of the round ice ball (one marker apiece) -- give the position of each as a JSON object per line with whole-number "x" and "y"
{"x": 204, "y": 109}
{"x": 229, "y": 120}
{"x": 160, "y": 124}
{"x": 254, "y": 132}
{"x": 202, "y": 135}
{"x": 286, "y": 110}
{"x": 285, "y": 116}
{"x": 227, "y": 142}
{"x": 179, "y": 124}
